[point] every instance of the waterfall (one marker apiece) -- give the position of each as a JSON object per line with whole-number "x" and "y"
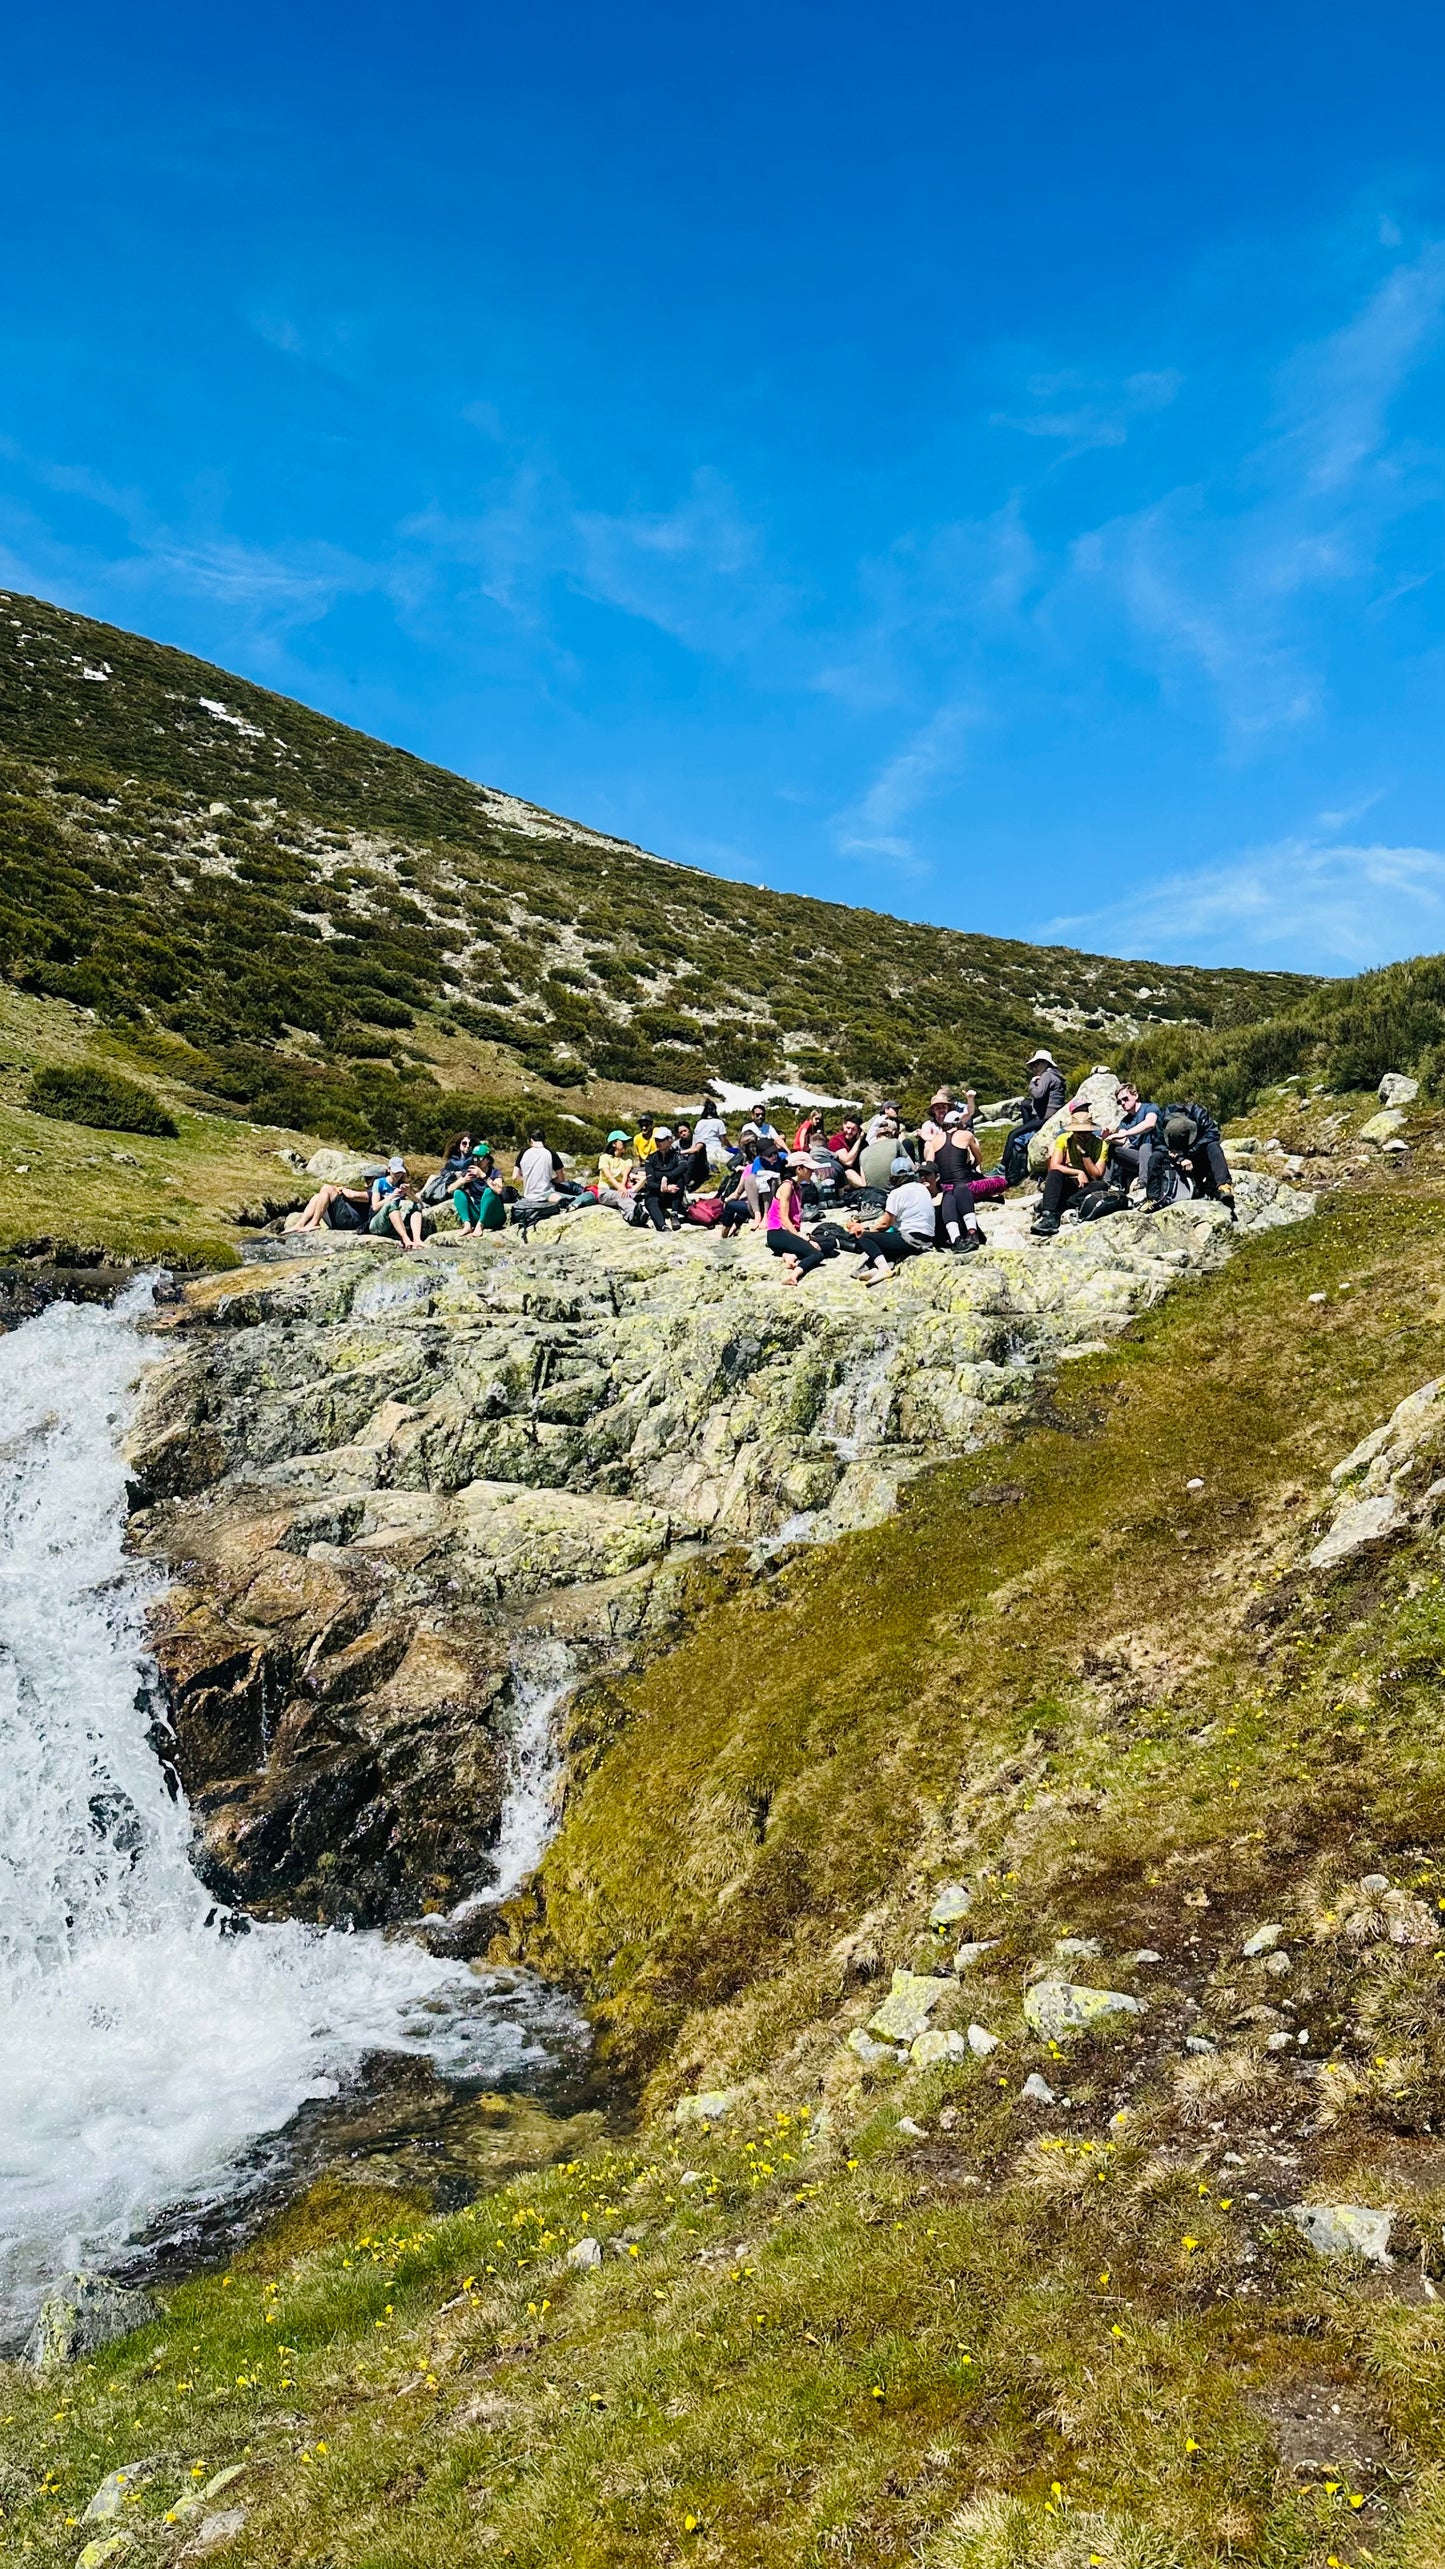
{"x": 859, "y": 1410}
{"x": 534, "y": 1781}
{"x": 146, "y": 2039}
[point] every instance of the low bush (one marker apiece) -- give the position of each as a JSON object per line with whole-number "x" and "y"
{"x": 99, "y": 1097}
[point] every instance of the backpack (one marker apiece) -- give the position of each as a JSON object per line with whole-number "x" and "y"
{"x": 1165, "y": 1182}
{"x": 1097, "y": 1201}
{"x": 707, "y": 1210}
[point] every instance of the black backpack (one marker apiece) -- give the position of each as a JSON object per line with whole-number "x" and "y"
{"x": 1097, "y": 1201}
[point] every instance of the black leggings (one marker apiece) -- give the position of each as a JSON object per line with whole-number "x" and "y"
{"x": 1061, "y": 1187}
{"x": 892, "y": 1247}
{"x": 791, "y": 1244}
{"x": 657, "y": 1204}
{"x": 956, "y": 1205}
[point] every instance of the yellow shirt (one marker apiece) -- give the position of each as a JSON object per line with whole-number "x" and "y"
{"x": 614, "y": 1168}
{"x": 1078, "y": 1146}
{"x": 644, "y": 1145}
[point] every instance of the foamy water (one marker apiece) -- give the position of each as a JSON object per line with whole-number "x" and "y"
{"x": 143, "y": 2044}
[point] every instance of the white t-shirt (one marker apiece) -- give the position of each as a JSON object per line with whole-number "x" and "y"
{"x": 912, "y": 1208}
{"x": 534, "y": 1168}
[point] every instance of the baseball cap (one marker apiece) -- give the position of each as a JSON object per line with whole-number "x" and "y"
{"x": 617, "y": 1135}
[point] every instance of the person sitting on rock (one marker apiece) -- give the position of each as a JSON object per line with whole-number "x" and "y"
{"x": 955, "y": 1164}
{"x": 932, "y": 1130}
{"x": 847, "y": 1148}
{"x": 1044, "y": 1097}
{"x": 889, "y": 1111}
{"x": 336, "y": 1207}
{"x": 694, "y": 1158}
{"x": 398, "y": 1214}
{"x": 644, "y": 1140}
{"x": 809, "y": 1131}
{"x": 664, "y": 1181}
{"x": 783, "y": 1229}
{"x": 1076, "y": 1161}
{"x": 877, "y": 1159}
{"x": 710, "y": 1134}
{"x": 477, "y": 1199}
{"x": 617, "y": 1172}
{"x": 1191, "y": 1138}
{"x": 1131, "y": 1142}
{"x": 904, "y": 1229}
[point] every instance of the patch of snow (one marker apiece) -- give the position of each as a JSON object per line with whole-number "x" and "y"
{"x": 223, "y": 714}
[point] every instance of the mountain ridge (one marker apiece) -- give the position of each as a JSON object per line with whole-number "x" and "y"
{"x": 319, "y": 915}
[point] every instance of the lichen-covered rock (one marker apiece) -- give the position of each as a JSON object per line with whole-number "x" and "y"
{"x": 1389, "y": 1480}
{"x": 384, "y": 1483}
{"x": 950, "y": 1904}
{"x": 84, "y": 2314}
{"x": 114, "y": 2489}
{"x": 1346, "y": 2229}
{"x": 1396, "y": 1089}
{"x": 932, "y": 2046}
{"x": 1381, "y": 1127}
{"x": 1055, "y": 2009}
{"x": 910, "y": 2002}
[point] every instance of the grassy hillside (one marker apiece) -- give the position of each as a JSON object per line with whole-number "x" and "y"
{"x": 914, "y": 2317}
{"x": 324, "y": 932}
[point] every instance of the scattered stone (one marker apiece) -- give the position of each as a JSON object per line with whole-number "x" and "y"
{"x": 110, "y": 2497}
{"x": 196, "y": 2501}
{"x": 1056, "y": 2008}
{"x": 1317, "y": 1297}
{"x": 1199, "y": 2043}
{"x": 1119, "y": 2121}
{"x": 1381, "y": 1127}
{"x": 927, "y": 2050}
{"x": 214, "y": 2532}
{"x": 105, "y": 2547}
{"x": 344, "y": 1168}
{"x": 981, "y": 2042}
{"x": 910, "y": 2130}
{"x": 1194, "y": 1485}
{"x": 1278, "y": 2042}
{"x": 1376, "y": 1882}
{"x": 874, "y": 2055}
{"x": 908, "y": 2006}
{"x": 708, "y": 2106}
{"x": 952, "y": 1903}
{"x": 1263, "y": 1940}
{"x": 1357, "y": 1526}
{"x": 1078, "y": 1949}
{"x": 1147, "y": 1954}
{"x": 584, "y": 2254}
{"x": 83, "y": 2315}
{"x": 1037, "y": 2089}
{"x": 968, "y": 1955}
{"x": 690, "y": 2176}
{"x": 1396, "y": 1089}
{"x": 1277, "y": 1964}
{"x": 948, "y": 2118}
{"x": 1346, "y": 2229}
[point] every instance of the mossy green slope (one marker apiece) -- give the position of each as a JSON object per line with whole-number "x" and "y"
{"x": 1034, "y": 2338}
{"x": 316, "y": 913}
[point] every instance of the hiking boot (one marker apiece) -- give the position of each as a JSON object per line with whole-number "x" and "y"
{"x": 1044, "y": 1225}
{"x": 966, "y": 1242}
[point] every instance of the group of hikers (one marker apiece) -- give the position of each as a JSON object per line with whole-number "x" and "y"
{"x": 879, "y": 1189}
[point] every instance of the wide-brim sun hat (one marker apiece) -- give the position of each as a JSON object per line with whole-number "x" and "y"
{"x": 1043, "y": 1054}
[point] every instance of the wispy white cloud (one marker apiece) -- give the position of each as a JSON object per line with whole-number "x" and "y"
{"x": 1321, "y": 905}
{"x": 696, "y": 571}
{"x": 876, "y": 824}
{"x": 1080, "y": 413}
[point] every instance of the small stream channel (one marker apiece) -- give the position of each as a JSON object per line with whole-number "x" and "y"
{"x": 169, "y": 2069}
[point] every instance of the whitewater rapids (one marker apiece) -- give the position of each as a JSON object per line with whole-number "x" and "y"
{"x": 145, "y": 2044}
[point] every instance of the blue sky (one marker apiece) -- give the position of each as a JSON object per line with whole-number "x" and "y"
{"x": 985, "y": 464}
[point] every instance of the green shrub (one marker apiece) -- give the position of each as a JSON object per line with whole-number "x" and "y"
{"x": 98, "y": 1097}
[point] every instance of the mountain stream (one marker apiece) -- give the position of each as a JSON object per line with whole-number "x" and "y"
{"x": 154, "y": 2047}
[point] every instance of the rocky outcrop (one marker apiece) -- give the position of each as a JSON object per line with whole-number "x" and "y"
{"x": 390, "y": 1489}
{"x": 1394, "y": 1478}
